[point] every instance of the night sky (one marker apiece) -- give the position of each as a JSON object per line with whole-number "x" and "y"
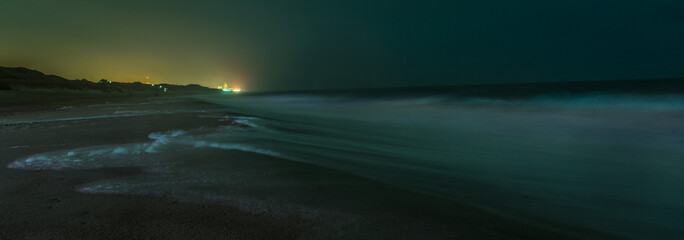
{"x": 289, "y": 45}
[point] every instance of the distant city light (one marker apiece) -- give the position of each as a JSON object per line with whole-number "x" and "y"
{"x": 226, "y": 88}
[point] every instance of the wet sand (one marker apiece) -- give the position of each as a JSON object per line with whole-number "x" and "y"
{"x": 44, "y": 205}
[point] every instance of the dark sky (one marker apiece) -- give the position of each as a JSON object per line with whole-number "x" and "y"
{"x": 287, "y": 45}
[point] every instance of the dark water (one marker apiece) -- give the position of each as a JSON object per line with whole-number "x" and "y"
{"x": 611, "y": 162}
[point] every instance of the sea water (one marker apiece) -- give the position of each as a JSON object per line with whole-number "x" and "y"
{"x": 613, "y": 163}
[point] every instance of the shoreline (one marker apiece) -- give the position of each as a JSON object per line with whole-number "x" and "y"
{"x": 42, "y": 204}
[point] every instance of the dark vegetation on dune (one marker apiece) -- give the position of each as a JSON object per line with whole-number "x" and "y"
{"x": 26, "y": 90}
{"x": 23, "y": 78}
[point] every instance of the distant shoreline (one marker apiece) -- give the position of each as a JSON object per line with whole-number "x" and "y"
{"x": 510, "y": 91}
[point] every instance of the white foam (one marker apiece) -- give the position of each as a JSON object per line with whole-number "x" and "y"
{"x": 84, "y": 158}
{"x": 245, "y": 148}
{"x": 246, "y": 123}
{"x": 167, "y": 134}
{"x": 127, "y": 155}
{"x": 200, "y": 144}
{"x": 120, "y": 150}
{"x": 143, "y": 112}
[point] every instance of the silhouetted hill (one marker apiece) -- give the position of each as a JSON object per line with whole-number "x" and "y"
{"x": 25, "y": 90}
{"x": 25, "y": 79}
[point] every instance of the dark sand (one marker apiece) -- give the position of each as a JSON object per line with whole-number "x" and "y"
{"x": 43, "y": 204}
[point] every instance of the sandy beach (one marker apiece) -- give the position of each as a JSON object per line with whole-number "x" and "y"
{"x": 341, "y": 120}
{"x": 290, "y": 201}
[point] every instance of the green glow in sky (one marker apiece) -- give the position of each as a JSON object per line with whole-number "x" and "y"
{"x": 126, "y": 43}
{"x": 291, "y": 45}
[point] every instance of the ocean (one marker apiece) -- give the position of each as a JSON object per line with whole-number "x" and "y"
{"x": 611, "y": 162}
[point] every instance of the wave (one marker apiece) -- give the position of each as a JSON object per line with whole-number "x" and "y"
{"x": 137, "y": 154}
{"x": 575, "y": 159}
{"x": 608, "y": 162}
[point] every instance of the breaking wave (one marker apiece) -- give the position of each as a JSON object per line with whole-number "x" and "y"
{"x": 140, "y": 154}
{"x": 608, "y": 162}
